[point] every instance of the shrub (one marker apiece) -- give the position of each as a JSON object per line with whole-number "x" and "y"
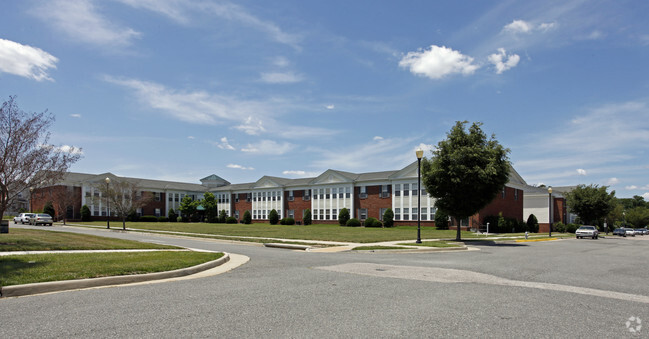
{"x": 49, "y": 209}
{"x": 172, "y": 215}
{"x": 163, "y": 219}
{"x": 132, "y": 216}
{"x": 247, "y": 218}
{"x": 571, "y": 228}
{"x": 532, "y": 224}
{"x": 230, "y": 220}
{"x": 372, "y": 222}
{"x": 179, "y": 219}
{"x": 388, "y": 218}
{"x": 353, "y": 222}
{"x": 222, "y": 216}
{"x": 288, "y": 221}
{"x": 307, "y": 217}
{"x": 343, "y": 216}
{"x": 441, "y": 220}
{"x": 273, "y": 217}
{"x": 558, "y": 227}
{"x": 500, "y": 224}
{"x": 85, "y": 213}
{"x": 149, "y": 218}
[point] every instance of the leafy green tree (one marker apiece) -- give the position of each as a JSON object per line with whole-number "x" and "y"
{"x": 172, "y": 215}
{"x": 85, "y": 213}
{"x": 388, "y": 218}
{"x": 273, "y": 217}
{"x": 343, "y": 216}
{"x": 222, "y": 216}
{"x": 636, "y": 201}
{"x": 591, "y": 203}
{"x": 441, "y": 220}
{"x": 188, "y": 207}
{"x": 247, "y": 218}
{"x": 210, "y": 204}
{"x": 307, "y": 217}
{"x": 466, "y": 172}
{"x": 638, "y": 217}
{"x": 532, "y": 224}
{"x": 49, "y": 209}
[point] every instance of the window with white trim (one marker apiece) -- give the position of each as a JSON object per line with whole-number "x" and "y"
{"x": 397, "y": 213}
{"x": 406, "y": 190}
{"x": 362, "y": 213}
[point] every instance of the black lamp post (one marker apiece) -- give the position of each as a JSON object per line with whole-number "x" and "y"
{"x": 107, "y": 180}
{"x": 419, "y": 154}
{"x": 31, "y": 201}
{"x": 550, "y": 209}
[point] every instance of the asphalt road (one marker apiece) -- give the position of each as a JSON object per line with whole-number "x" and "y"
{"x": 568, "y": 288}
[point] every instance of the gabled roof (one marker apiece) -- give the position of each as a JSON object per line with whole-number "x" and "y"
{"x": 72, "y": 178}
{"x": 332, "y": 176}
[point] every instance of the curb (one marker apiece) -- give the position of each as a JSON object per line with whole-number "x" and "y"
{"x": 64, "y": 285}
{"x": 534, "y": 240}
{"x": 288, "y": 246}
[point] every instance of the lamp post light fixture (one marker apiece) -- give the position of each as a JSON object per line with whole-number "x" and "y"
{"x": 31, "y": 193}
{"x": 107, "y": 180}
{"x": 419, "y": 153}
{"x": 550, "y": 209}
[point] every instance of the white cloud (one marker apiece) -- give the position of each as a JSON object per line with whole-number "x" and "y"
{"x": 502, "y": 61}
{"x": 518, "y": 26}
{"x": 382, "y": 151}
{"x": 195, "y": 107}
{"x": 77, "y": 116}
{"x": 80, "y": 20}
{"x": 281, "y": 61}
{"x": 438, "y": 62}
{"x": 191, "y": 137}
{"x": 25, "y": 61}
{"x": 281, "y": 78}
{"x": 612, "y": 181}
{"x": 522, "y": 26}
{"x": 427, "y": 148}
{"x": 632, "y": 187}
{"x": 269, "y": 147}
{"x": 301, "y": 174}
{"x": 376, "y": 138}
{"x": 581, "y": 171}
{"x": 251, "y": 126}
{"x": 330, "y": 107}
{"x": 70, "y": 149}
{"x": 240, "y": 167}
{"x": 224, "y": 144}
{"x": 646, "y": 196}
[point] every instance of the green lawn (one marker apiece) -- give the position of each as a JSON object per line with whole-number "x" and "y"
{"x": 24, "y": 269}
{"x": 41, "y": 240}
{"x": 322, "y": 232}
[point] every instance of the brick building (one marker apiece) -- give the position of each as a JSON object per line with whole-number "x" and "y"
{"x": 363, "y": 194}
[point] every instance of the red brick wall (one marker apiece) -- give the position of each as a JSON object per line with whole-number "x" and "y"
{"x": 49, "y": 194}
{"x": 149, "y": 209}
{"x": 297, "y": 205}
{"x": 373, "y": 202}
{"x": 509, "y": 206}
{"x": 242, "y": 206}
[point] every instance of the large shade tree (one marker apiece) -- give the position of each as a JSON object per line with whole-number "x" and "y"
{"x": 28, "y": 159}
{"x": 591, "y": 203}
{"x": 466, "y": 172}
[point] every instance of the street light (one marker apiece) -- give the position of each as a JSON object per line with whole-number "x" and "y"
{"x": 550, "y": 209}
{"x": 107, "y": 180}
{"x": 419, "y": 153}
{"x": 31, "y": 201}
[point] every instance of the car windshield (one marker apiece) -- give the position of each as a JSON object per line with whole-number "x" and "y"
{"x": 587, "y": 227}
{"x": 44, "y": 216}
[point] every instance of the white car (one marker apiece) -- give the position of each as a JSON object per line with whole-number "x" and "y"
{"x": 587, "y": 231}
{"x": 41, "y": 218}
{"x": 630, "y": 231}
{"x": 23, "y": 218}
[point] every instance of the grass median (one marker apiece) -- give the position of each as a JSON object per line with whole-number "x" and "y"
{"x": 32, "y": 268}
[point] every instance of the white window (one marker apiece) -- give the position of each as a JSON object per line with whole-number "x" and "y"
{"x": 291, "y": 213}
{"x": 424, "y": 213}
{"x": 381, "y": 213}
{"x": 347, "y": 192}
{"x": 362, "y": 213}
{"x": 397, "y": 190}
{"x": 157, "y": 212}
{"x": 406, "y": 212}
{"x": 397, "y": 213}
{"x": 406, "y": 189}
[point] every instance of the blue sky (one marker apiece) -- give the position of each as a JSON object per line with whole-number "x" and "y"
{"x": 178, "y": 90}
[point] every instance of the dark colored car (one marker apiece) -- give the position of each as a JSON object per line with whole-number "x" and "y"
{"x": 620, "y": 231}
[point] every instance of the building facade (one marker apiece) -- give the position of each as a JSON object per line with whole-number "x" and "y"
{"x": 365, "y": 195}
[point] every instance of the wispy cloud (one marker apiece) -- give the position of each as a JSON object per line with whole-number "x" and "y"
{"x": 240, "y": 167}
{"x": 183, "y": 11}
{"x": 522, "y": 26}
{"x": 269, "y": 147}
{"x": 81, "y": 21}
{"x": 300, "y": 173}
{"x": 224, "y": 144}
{"x": 76, "y": 116}
{"x": 26, "y": 61}
{"x": 281, "y": 77}
{"x": 384, "y": 154}
{"x": 438, "y": 62}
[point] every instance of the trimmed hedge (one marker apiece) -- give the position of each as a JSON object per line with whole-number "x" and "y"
{"x": 273, "y": 217}
{"x": 148, "y": 218}
{"x": 247, "y": 218}
{"x": 163, "y": 219}
{"x": 230, "y": 220}
{"x": 343, "y": 217}
{"x": 287, "y": 221}
{"x": 373, "y": 222}
{"x": 388, "y": 218}
{"x": 353, "y": 222}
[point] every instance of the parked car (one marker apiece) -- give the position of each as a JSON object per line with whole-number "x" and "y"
{"x": 641, "y": 231}
{"x": 44, "y": 219}
{"x": 587, "y": 231}
{"x": 630, "y": 231}
{"x": 23, "y": 218}
{"x": 620, "y": 231}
